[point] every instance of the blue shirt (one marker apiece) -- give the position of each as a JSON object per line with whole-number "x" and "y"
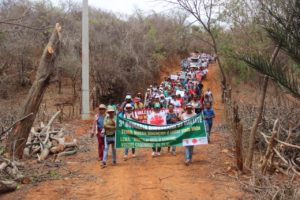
{"x": 100, "y": 121}
{"x": 208, "y": 113}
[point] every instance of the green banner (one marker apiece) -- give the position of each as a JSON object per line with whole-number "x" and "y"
{"x": 133, "y": 134}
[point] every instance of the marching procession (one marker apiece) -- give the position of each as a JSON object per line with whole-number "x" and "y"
{"x": 178, "y": 98}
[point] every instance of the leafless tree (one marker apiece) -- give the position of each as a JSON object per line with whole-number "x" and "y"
{"x": 207, "y": 14}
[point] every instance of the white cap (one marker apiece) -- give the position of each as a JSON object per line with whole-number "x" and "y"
{"x": 128, "y": 105}
{"x": 128, "y": 97}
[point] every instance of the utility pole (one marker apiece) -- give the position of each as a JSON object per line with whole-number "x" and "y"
{"x": 85, "y": 61}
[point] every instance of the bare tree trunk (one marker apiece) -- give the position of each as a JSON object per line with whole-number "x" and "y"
{"x": 17, "y": 139}
{"x": 248, "y": 161}
{"x": 224, "y": 81}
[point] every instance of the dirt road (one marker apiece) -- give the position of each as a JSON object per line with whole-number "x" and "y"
{"x": 144, "y": 177}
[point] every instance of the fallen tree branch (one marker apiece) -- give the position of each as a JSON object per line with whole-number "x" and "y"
{"x": 11, "y": 126}
{"x": 281, "y": 142}
{"x": 7, "y": 186}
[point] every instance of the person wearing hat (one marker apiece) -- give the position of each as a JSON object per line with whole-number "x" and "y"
{"x": 109, "y": 136}
{"x": 128, "y": 99}
{"x": 157, "y": 118}
{"x": 163, "y": 101}
{"x": 188, "y": 149}
{"x": 138, "y": 104}
{"x": 156, "y": 100}
{"x": 139, "y": 95}
{"x": 129, "y": 114}
{"x": 98, "y": 130}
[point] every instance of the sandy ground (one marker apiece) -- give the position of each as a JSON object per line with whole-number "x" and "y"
{"x": 144, "y": 177}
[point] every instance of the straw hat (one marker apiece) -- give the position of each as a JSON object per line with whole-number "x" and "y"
{"x": 102, "y": 106}
{"x": 110, "y": 109}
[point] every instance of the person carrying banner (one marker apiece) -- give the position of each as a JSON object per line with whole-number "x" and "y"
{"x": 129, "y": 114}
{"x": 172, "y": 118}
{"x": 157, "y": 118}
{"x": 208, "y": 114}
{"x": 188, "y": 149}
{"x": 109, "y": 138}
{"x": 98, "y": 130}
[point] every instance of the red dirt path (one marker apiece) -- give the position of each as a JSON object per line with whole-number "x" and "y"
{"x": 144, "y": 177}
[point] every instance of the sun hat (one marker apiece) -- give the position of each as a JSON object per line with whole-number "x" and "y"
{"x": 110, "y": 109}
{"x": 102, "y": 106}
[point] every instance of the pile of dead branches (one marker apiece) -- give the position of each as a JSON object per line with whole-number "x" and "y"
{"x": 46, "y": 140}
{"x": 279, "y": 137}
{"x": 9, "y": 174}
{"x": 280, "y": 155}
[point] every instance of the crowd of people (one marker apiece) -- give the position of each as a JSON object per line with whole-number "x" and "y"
{"x": 179, "y": 97}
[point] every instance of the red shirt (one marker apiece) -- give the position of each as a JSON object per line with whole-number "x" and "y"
{"x": 180, "y": 100}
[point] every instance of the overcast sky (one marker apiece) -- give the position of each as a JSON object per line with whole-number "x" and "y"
{"x": 126, "y": 6}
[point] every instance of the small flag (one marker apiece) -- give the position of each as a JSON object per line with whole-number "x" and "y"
{"x": 194, "y": 141}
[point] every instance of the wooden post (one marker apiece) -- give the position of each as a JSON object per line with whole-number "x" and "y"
{"x": 238, "y": 132}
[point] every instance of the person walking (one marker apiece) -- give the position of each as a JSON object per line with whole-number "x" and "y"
{"x": 157, "y": 118}
{"x": 188, "y": 149}
{"x": 138, "y": 104}
{"x": 172, "y": 118}
{"x": 109, "y": 136}
{"x": 208, "y": 114}
{"x": 98, "y": 130}
{"x": 129, "y": 114}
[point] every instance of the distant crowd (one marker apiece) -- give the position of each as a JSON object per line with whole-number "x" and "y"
{"x": 179, "y": 97}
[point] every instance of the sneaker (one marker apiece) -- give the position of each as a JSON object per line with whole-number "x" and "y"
{"x": 103, "y": 165}
{"x": 173, "y": 153}
{"x": 187, "y": 162}
{"x": 158, "y": 153}
{"x": 114, "y": 162}
{"x": 133, "y": 155}
{"x": 125, "y": 157}
{"x": 153, "y": 154}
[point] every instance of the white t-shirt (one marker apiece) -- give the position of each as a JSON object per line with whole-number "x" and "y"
{"x": 129, "y": 115}
{"x": 185, "y": 115}
{"x": 175, "y": 103}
